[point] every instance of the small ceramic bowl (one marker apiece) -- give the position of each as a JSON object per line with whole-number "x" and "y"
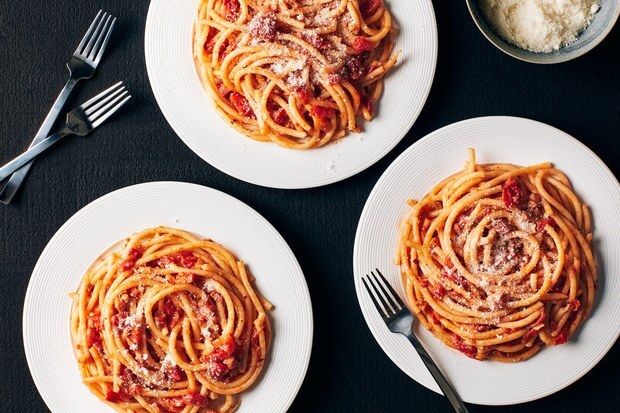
{"x": 601, "y": 25}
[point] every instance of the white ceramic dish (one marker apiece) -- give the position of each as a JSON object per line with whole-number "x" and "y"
{"x": 191, "y": 112}
{"x": 602, "y": 23}
{"x": 197, "y": 209}
{"x": 442, "y": 153}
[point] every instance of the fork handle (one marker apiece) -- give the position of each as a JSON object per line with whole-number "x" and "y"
{"x": 11, "y": 187}
{"x": 30, "y": 154}
{"x": 442, "y": 381}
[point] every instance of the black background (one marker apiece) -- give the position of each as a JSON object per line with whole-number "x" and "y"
{"x": 348, "y": 371}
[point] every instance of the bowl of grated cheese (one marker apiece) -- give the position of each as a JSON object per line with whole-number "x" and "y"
{"x": 544, "y": 31}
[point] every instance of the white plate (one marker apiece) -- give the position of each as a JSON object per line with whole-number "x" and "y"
{"x": 191, "y": 112}
{"x": 442, "y": 153}
{"x": 197, "y": 209}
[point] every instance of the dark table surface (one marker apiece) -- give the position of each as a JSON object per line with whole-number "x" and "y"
{"x": 348, "y": 371}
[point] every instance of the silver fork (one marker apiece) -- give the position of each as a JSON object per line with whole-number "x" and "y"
{"x": 82, "y": 65}
{"x": 399, "y": 319}
{"x": 80, "y": 121}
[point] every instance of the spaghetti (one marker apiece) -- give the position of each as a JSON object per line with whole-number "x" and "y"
{"x": 170, "y": 323}
{"x": 497, "y": 262}
{"x": 294, "y": 72}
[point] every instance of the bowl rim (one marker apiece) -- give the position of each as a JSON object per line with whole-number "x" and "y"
{"x": 500, "y": 43}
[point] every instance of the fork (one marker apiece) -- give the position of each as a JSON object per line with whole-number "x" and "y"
{"x": 399, "y": 319}
{"x": 80, "y": 121}
{"x": 82, "y": 65}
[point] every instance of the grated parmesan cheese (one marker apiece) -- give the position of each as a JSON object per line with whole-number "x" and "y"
{"x": 167, "y": 362}
{"x": 539, "y": 25}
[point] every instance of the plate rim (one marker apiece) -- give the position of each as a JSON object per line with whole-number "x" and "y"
{"x": 385, "y": 175}
{"x": 304, "y": 183}
{"x": 28, "y": 307}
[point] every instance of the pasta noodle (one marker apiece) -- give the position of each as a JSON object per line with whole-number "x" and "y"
{"x": 294, "y": 72}
{"x": 496, "y": 260}
{"x": 170, "y": 323}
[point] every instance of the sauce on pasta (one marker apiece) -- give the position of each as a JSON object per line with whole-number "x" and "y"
{"x": 299, "y": 73}
{"x": 170, "y": 323}
{"x": 497, "y": 262}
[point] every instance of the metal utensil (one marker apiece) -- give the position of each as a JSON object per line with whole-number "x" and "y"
{"x": 80, "y": 121}
{"x": 82, "y": 65}
{"x": 399, "y": 319}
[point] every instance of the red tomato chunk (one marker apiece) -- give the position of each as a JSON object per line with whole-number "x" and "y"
{"x": 370, "y": 7}
{"x": 280, "y": 117}
{"x": 361, "y": 44}
{"x": 561, "y": 338}
{"x": 322, "y": 112}
{"x": 129, "y": 262}
{"x": 221, "y": 361}
{"x": 459, "y": 344}
{"x": 515, "y": 193}
{"x": 233, "y": 9}
{"x": 241, "y": 105}
{"x": 543, "y": 222}
{"x": 93, "y": 332}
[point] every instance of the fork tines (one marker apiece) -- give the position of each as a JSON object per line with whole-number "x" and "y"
{"x": 385, "y": 298}
{"x": 102, "y": 106}
{"x": 96, "y": 38}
